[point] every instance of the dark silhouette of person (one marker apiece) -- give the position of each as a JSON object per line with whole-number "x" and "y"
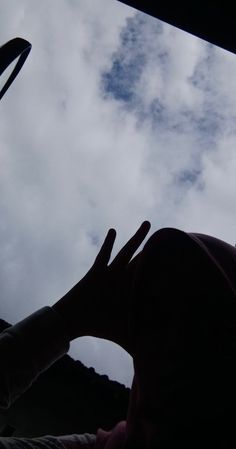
{"x": 172, "y": 307}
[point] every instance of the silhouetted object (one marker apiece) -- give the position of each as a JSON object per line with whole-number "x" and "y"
{"x": 184, "y": 390}
{"x": 8, "y": 53}
{"x": 7, "y": 431}
{"x": 68, "y": 398}
{"x": 212, "y": 21}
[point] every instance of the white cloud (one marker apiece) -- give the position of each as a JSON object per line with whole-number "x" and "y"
{"x": 76, "y": 159}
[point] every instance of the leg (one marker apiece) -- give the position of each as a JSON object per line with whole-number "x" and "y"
{"x": 179, "y": 311}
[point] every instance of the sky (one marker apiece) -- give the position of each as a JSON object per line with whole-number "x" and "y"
{"x": 115, "y": 118}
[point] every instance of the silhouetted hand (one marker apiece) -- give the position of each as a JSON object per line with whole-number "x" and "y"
{"x": 98, "y": 305}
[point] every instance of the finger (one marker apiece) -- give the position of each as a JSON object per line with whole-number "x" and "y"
{"x": 125, "y": 254}
{"x": 104, "y": 254}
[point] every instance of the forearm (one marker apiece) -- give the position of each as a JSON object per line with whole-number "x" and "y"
{"x": 73, "y": 317}
{"x": 27, "y": 349}
{"x": 62, "y": 310}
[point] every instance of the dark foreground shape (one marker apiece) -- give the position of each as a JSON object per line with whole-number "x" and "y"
{"x": 211, "y": 21}
{"x": 8, "y": 53}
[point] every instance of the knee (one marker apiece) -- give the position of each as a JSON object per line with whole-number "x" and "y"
{"x": 170, "y": 246}
{"x": 166, "y": 236}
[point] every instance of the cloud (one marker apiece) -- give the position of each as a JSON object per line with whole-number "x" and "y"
{"x": 115, "y": 118}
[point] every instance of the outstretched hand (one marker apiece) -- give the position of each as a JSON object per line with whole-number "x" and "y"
{"x": 98, "y": 305}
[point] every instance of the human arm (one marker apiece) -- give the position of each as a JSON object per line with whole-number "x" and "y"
{"x": 96, "y": 306}
{"x": 27, "y": 349}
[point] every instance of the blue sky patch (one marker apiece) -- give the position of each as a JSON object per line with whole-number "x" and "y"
{"x": 119, "y": 81}
{"x": 188, "y": 176}
{"x": 129, "y": 61}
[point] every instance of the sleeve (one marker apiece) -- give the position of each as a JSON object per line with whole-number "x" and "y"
{"x": 27, "y": 349}
{"x": 85, "y": 441}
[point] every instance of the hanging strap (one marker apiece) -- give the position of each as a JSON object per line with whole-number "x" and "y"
{"x": 8, "y": 52}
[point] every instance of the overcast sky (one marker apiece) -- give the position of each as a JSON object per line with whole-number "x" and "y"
{"x": 115, "y": 118}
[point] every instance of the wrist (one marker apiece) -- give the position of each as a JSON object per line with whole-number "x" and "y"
{"x": 61, "y": 310}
